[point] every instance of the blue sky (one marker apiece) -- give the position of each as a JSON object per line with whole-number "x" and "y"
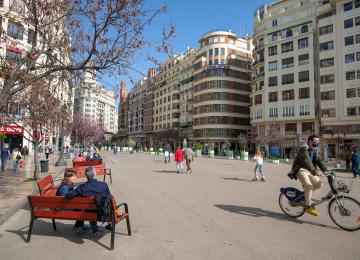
{"x": 192, "y": 19}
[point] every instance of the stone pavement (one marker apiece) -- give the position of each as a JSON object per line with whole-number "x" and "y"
{"x": 214, "y": 213}
{"x": 14, "y": 187}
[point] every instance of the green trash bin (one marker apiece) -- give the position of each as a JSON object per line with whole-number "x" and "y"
{"x": 44, "y": 165}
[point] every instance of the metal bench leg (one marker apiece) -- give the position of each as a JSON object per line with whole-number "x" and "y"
{"x": 110, "y": 177}
{"x": 112, "y": 232}
{"x": 127, "y": 219}
{"x": 54, "y": 225}
{"x": 30, "y": 230}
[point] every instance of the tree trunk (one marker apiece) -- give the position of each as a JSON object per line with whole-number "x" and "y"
{"x": 36, "y": 155}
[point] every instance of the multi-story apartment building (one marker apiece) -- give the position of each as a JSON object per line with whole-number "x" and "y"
{"x": 339, "y": 73}
{"x": 187, "y": 96}
{"x": 135, "y": 107}
{"x": 148, "y": 107}
{"x": 17, "y": 39}
{"x": 122, "y": 116}
{"x": 97, "y": 103}
{"x": 166, "y": 103}
{"x": 221, "y": 85}
{"x": 283, "y": 111}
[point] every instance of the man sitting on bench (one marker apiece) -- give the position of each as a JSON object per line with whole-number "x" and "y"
{"x": 91, "y": 188}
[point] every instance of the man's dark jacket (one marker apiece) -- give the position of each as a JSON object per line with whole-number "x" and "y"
{"x": 91, "y": 188}
{"x": 303, "y": 160}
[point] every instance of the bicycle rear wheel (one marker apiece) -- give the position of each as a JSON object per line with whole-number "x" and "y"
{"x": 289, "y": 209}
{"x": 345, "y": 212}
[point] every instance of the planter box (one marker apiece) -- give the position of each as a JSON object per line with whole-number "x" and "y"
{"x": 275, "y": 161}
{"x": 244, "y": 156}
{"x": 211, "y": 153}
{"x": 197, "y": 153}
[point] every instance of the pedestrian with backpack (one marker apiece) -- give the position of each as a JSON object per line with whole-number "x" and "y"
{"x": 16, "y": 157}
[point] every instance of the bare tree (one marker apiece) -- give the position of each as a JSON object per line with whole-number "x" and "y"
{"x": 72, "y": 36}
{"x": 85, "y": 130}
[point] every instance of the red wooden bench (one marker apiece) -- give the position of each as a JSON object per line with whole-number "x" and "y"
{"x": 43, "y": 206}
{"x": 87, "y": 163}
{"x": 46, "y": 186}
{"x": 100, "y": 170}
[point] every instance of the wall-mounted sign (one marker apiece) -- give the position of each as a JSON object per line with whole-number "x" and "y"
{"x": 12, "y": 130}
{"x": 220, "y": 66}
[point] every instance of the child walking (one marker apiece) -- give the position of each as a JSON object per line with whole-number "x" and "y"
{"x": 259, "y": 159}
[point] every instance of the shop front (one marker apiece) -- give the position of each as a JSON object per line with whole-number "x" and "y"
{"x": 12, "y": 135}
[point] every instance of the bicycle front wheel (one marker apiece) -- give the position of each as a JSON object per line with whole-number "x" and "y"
{"x": 345, "y": 212}
{"x": 292, "y": 210}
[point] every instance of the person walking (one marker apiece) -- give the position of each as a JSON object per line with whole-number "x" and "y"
{"x": 189, "y": 156}
{"x": 16, "y": 157}
{"x": 167, "y": 156}
{"x": 5, "y": 155}
{"x": 355, "y": 161}
{"x": 47, "y": 152}
{"x": 259, "y": 159}
{"x": 179, "y": 157}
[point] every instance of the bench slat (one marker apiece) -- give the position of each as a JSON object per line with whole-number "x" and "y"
{"x": 65, "y": 205}
{"x": 70, "y": 215}
{"x": 57, "y": 199}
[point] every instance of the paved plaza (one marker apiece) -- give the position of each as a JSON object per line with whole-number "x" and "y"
{"x": 214, "y": 213}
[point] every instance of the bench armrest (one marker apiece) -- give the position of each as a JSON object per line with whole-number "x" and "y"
{"x": 125, "y": 206}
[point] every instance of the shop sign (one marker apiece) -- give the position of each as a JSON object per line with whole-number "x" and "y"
{"x": 12, "y": 130}
{"x": 213, "y": 67}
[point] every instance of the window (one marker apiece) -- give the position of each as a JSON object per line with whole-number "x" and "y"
{"x": 288, "y": 95}
{"x": 357, "y": 38}
{"x": 350, "y": 75}
{"x": 303, "y": 59}
{"x": 351, "y": 111}
{"x": 328, "y": 95}
{"x": 273, "y": 96}
{"x": 273, "y": 66}
{"x": 327, "y": 79}
{"x": 274, "y": 23}
{"x": 272, "y": 50}
{"x": 289, "y": 33}
{"x": 303, "y": 76}
{"x": 348, "y": 23}
{"x": 288, "y": 111}
{"x": 287, "y": 79}
{"x": 326, "y": 29}
{"x": 349, "y": 58}
{"x": 349, "y": 40}
{"x": 351, "y": 93}
{"x": 358, "y": 56}
{"x": 274, "y": 37}
{"x": 216, "y": 51}
{"x": 303, "y": 43}
{"x": 273, "y": 81}
{"x": 286, "y": 47}
{"x": 304, "y": 110}
{"x": 287, "y": 63}
{"x": 273, "y": 112}
{"x": 15, "y": 30}
{"x": 307, "y": 128}
{"x": 328, "y": 112}
{"x": 327, "y": 62}
{"x": 13, "y": 56}
{"x": 325, "y": 46}
{"x": 210, "y": 52}
{"x": 304, "y": 29}
{"x": 290, "y": 128}
{"x": 304, "y": 93}
{"x": 222, "y": 51}
{"x": 357, "y": 21}
{"x": 31, "y": 37}
{"x": 258, "y": 99}
{"x": 357, "y": 3}
{"x": 348, "y": 6}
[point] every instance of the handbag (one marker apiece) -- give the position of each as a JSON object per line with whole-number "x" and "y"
{"x": 18, "y": 157}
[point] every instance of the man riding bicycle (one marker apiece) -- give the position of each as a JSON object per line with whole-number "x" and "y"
{"x": 305, "y": 169}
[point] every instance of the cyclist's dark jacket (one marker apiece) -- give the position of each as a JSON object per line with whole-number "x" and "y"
{"x": 304, "y": 160}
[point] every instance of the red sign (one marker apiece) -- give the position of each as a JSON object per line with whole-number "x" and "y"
{"x": 12, "y": 130}
{"x": 14, "y": 49}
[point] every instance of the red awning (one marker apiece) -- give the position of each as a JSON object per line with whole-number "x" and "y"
{"x": 12, "y": 130}
{"x": 14, "y": 49}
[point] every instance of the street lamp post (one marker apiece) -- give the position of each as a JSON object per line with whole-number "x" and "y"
{"x": 61, "y": 161}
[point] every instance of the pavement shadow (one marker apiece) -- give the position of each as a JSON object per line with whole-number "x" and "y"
{"x": 163, "y": 171}
{"x": 258, "y": 212}
{"x": 63, "y": 230}
{"x": 237, "y": 179}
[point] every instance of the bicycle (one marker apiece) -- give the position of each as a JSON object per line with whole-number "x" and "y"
{"x": 344, "y": 210}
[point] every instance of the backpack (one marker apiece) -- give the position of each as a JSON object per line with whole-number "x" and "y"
{"x": 104, "y": 206}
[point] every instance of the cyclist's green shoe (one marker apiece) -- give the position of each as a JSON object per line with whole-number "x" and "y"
{"x": 312, "y": 211}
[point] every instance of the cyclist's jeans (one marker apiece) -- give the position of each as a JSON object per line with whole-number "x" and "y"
{"x": 309, "y": 183}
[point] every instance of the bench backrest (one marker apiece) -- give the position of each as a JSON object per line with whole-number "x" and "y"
{"x": 87, "y": 163}
{"x": 78, "y": 208}
{"x": 80, "y": 170}
{"x": 46, "y": 185}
